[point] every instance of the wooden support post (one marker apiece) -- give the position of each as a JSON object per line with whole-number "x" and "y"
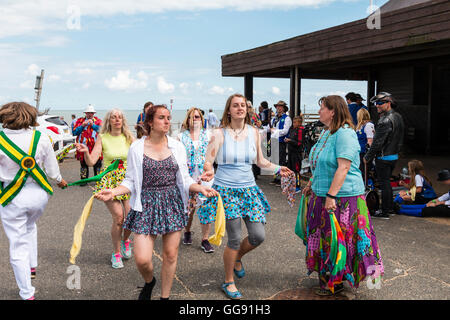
{"x": 248, "y": 87}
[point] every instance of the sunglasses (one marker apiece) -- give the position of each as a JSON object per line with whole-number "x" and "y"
{"x": 380, "y": 103}
{"x": 197, "y": 117}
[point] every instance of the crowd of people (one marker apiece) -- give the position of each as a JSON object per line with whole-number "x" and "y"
{"x": 162, "y": 181}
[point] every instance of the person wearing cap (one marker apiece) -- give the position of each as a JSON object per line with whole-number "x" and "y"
{"x": 359, "y": 101}
{"x": 439, "y": 207}
{"x": 385, "y": 147}
{"x": 264, "y": 114}
{"x": 353, "y": 105}
{"x": 86, "y": 129}
{"x": 281, "y": 124}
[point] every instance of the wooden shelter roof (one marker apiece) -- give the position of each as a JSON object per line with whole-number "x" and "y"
{"x": 348, "y": 50}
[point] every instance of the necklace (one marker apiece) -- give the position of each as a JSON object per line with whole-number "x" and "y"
{"x": 236, "y": 135}
{"x": 314, "y": 155}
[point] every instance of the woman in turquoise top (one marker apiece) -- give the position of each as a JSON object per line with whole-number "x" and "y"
{"x": 114, "y": 142}
{"x": 235, "y": 146}
{"x": 337, "y": 186}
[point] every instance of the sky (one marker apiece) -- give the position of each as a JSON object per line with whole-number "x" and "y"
{"x": 122, "y": 53}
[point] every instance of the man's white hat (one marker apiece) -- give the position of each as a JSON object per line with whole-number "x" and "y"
{"x": 90, "y": 108}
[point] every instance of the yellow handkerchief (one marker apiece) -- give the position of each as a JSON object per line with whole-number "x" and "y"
{"x": 78, "y": 230}
{"x": 219, "y": 225}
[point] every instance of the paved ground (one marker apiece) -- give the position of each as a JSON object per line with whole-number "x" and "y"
{"x": 416, "y": 255}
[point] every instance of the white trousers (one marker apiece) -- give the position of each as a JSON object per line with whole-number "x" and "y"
{"x": 19, "y": 222}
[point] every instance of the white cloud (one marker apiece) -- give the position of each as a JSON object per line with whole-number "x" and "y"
{"x": 56, "y": 41}
{"x": 27, "y": 84}
{"x": 123, "y": 81}
{"x": 276, "y": 91}
{"x": 220, "y": 90}
{"x": 33, "y": 70}
{"x": 84, "y": 71}
{"x": 164, "y": 86}
{"x": 21, "y": 17}
{"x": 54, "y": 77}
{"x": 184, "y": 87}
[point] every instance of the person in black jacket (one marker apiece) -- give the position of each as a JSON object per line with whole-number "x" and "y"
{"x": 294, "y": 142}
{"x": 385, "y": 147}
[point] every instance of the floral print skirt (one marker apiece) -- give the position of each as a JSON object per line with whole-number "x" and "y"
{"x": 363, "y": 253}
{"x": 112, "y": 180}
{"x": 237, "y": 203}
{"x": 162, "y": 205}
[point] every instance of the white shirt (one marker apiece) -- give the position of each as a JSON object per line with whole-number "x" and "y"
{"x": 281, "y": 132}
{"x": 212, "y": 119}
{"x": 419, "y": 181}
{"x": 369, "y": 130}
{"x": 134, "y": 175}
{"x": 45, "y": 157}
{"x": 445, "y": 197}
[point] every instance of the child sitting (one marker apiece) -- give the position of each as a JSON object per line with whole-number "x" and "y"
{"x": 420, "y": 189}
{"x": 294, "y": 141}
{"x": 439, "y": 207}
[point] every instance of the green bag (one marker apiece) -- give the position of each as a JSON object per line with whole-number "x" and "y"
{"x": 300, "y": 225}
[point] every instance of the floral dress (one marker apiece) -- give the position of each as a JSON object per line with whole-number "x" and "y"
{"x": 162, "y": 205}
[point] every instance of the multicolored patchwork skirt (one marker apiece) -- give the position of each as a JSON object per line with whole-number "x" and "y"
{"x": 112, "y": 180}
{"x": 363, "y": 254}
{"x": 237, "y": 203}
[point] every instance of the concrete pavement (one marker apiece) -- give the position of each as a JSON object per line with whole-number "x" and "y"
{"x": 416, "y": 254}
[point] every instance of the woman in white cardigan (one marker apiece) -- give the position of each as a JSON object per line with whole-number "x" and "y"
{"x": 159, "y": 182}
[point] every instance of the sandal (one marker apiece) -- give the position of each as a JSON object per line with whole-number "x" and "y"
{"x": 326, "y": 292}
{"x": 239, "y": 273}
{"x": 232, "y": 295}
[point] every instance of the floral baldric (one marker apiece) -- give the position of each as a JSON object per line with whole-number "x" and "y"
{"x": 196, "y": 158}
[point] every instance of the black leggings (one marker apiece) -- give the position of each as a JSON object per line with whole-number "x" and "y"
{"x": 438, "y": 211}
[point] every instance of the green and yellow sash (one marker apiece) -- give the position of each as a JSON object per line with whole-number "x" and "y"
{"x": 27, "y": 164}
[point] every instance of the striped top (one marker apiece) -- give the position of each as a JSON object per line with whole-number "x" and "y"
{"x": 235, "y": 159}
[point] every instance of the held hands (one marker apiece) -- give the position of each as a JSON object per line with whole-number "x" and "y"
{"x": 62, "y": 184}
{"x": 285, "y": 171}
{"x": 207, "y": 175}
{"x": 208, "y": 192}
{"x": 104, "y": 195}
{"x": 81, "y": 147}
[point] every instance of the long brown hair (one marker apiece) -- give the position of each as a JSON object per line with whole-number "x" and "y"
{"x": 150, "y": 115}
{"x": 415, "y": 167}
{"x": 226, "y": 118}
{"x": 341, "y": 116}
{"x": 18, "y": 115}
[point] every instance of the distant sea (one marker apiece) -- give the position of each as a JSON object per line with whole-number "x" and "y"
{"x": 131, "y": 115}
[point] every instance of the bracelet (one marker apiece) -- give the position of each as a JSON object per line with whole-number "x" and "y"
{"x": 277, "y": 170}
{"x": 332, "y": 197}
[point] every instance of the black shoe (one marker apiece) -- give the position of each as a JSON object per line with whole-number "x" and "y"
{"x": 380, "y": 214}
{"x": 146, "y": 292}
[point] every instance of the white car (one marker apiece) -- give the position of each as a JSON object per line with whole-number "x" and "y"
{"x": 57, "y": 130}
